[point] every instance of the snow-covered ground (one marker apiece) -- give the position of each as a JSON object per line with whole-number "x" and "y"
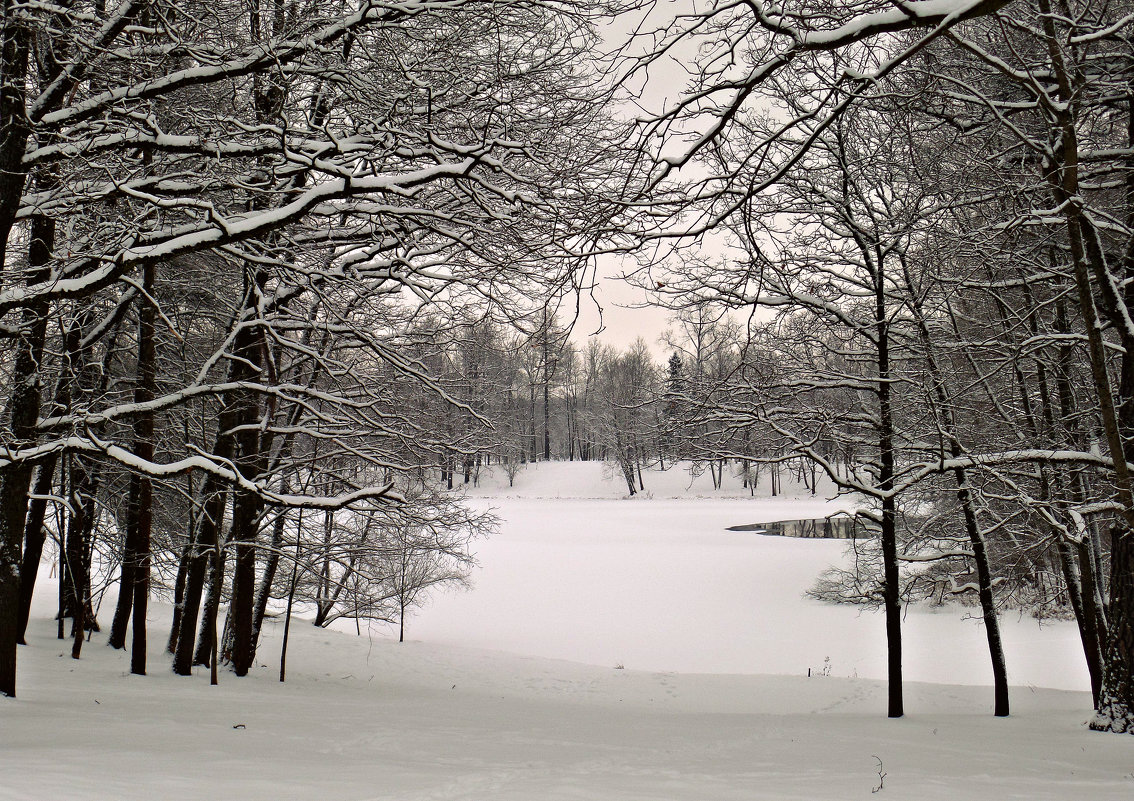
{"x": 688, "y": 645}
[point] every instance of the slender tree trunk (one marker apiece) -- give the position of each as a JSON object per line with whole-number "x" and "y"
{"x": 213, "y": 657}
{"x": 984, "y": 591}
{"x": 207, "y": 561}
{"x": 83, "y": 483}
{"x": 131, "y": 556}
{"x": 141, "y": 494}
{"x": 73, "y": 373}
{"x": 531, "y": 422}
{"x": 61, "y": 616}
{"x": 33, "y": 541}
{"x": 179, "y": 593}
{"x": 263, "y": 595}
{"x": 181, "y": 582}
{"x": 891, "y": 582}
{"x": 546, "y": 407}
{"x": 287, "y": 615}
{"x": 204, "y": 544}
{"x": 23, "y": 412}
{"x": 206, "y": 638}
{"x": 322, "y": 605}
{"x": 1072, "y": 578}
{"x": 948, "y": 425}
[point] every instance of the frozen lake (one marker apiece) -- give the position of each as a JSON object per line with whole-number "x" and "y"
{"x": 661, "y": 585}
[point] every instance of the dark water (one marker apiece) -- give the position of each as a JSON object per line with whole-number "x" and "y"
{"x": 839, "y": 527}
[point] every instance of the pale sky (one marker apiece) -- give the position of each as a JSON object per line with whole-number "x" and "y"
{"x": 621, "y": 323}
{"x": 622, "y": 319}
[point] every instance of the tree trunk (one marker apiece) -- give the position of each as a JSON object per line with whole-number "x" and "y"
{"x": 206, "y": 637}
{"x": 207, "y": 561}
{"x": 179, "y": 593}
{"x": 141, "y": 488}
{"x": 984, "y": 591}
{"x": 83, "y": 483}
{"x": 1086, "y": 619}
{"x": 244, "y": 519}
{"x": 891, "y": 587}
{"x": 1115, "y": 712}
{"x": 270, "y": 567}
{"x": 33, "y": 541}
{"x": 531, "y": 423}
{"x": 76, "y": 355}
{"x": 23, "y": 412}
{"x": 204, "y": 543}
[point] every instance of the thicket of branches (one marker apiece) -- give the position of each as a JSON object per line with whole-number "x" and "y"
{"x": 930, "y": 210}
{"x": 271, "y": 267}
{"x": 233, "y": 234}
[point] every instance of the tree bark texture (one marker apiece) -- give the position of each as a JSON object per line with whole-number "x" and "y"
{"x": 141, "y": 488}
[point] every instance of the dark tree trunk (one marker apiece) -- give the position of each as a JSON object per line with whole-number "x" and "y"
{"x": 322, "y": 605}
{"x": 984, "y": 590}
{"x": 244, "y": 519}
{"x": 206, "y": 638}
{"x": 531, "y": 422}
{"x": 204, "y": 543}
{"x": 179, "y": 592}
{"x": 968, "y": 510}
{"x": 75, "y": 372}
{"x": 207, "y": 559}
{"x": 141, "y": 488}
{"x": 287, "y": 614}
{"x": 80, "y": 542}
{"x": 546, "y": 410}
{"x": 127, "y": 573}
{"x": 891, "y": 581}
{"x": 1080, "y": 576}
{"x": 125, "y": 606}
{"x": 33, "y": 541}
{"x": 83, "y": 480}
{"x": 23, "y": 412}
{"x": 270, "y": 567}
{"x": 1115, "y": 712}
{"x": 1084, "y": 617}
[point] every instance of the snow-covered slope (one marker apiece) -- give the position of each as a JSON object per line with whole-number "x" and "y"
{"x": 367, "y": 718}
{"x": 372, "y": 719}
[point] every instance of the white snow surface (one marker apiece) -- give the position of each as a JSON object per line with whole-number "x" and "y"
{"x": 688, "y": 645}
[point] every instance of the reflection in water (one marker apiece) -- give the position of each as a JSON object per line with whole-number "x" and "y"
{"x": 837, "y": 527}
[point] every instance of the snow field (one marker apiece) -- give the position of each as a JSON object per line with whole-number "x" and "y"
{"x": 482, "y": 705}
{"x": 660, "y": 584}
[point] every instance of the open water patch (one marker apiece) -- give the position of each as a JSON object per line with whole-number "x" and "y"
{"x": 835, "y": 527}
